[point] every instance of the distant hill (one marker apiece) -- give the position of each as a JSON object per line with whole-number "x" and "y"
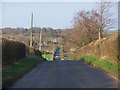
{"x": 111, "y": 32}
{"x": 23, "y": 35}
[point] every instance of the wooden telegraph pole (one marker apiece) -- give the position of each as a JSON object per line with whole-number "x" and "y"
{"x": 31, "y": 34}
{"x": 40, "y": 40}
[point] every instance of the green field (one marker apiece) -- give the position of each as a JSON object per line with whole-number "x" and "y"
{"x": 107, "y": 65}
{"x": 15, "y": 71}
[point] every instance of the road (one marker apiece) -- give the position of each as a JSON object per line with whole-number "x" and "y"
{"x": 66, "y": 74}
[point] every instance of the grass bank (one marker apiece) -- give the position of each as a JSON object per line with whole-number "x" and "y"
{"x": 49, "y": 57}
{"x": 13, "y": 72}
{"x": 107, "y": 65}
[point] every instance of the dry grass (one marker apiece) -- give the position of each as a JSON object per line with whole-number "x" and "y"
{"x": 107, "y": 48}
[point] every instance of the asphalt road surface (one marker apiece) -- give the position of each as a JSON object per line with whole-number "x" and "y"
{"x": 66, "y": 74}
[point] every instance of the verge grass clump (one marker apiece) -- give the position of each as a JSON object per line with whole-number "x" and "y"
{"x": 14, "y": 71}
{"x": 107, "y": 65}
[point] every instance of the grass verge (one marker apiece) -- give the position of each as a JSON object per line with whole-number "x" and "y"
{"x": 106, "y": 65}
{"x": 13, "y": 72}
{"x": 49, "y": 57}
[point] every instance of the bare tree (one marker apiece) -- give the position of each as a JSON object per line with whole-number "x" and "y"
{"x": 104, "y": 17}
{"x": 85, "y": 29}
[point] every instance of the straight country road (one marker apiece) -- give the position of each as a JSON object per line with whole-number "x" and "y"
{"x": 66, "y": 74}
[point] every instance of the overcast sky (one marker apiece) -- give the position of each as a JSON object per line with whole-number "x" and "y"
{"x": 46, "y": 14}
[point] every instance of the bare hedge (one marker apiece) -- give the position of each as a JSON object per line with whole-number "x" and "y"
{"x": 107, "y": 48}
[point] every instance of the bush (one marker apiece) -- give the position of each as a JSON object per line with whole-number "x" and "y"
{"x": 32, "y": 51}
{"x": 12, "y": 51}
{"x": 38, "y": 53}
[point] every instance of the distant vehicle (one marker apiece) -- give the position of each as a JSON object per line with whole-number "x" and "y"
{"x": 57, "y": 54}
{"x": 56, "y": 57}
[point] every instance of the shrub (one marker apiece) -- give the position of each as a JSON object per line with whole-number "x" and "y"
{"x": 12, "y": 51}
{"x": 37, "y": 53}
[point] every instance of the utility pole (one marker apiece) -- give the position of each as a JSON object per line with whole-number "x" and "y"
{"x": 57, "y": 38}
{"x": 40, "y": 38}
{"x": 31, "y": 34}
